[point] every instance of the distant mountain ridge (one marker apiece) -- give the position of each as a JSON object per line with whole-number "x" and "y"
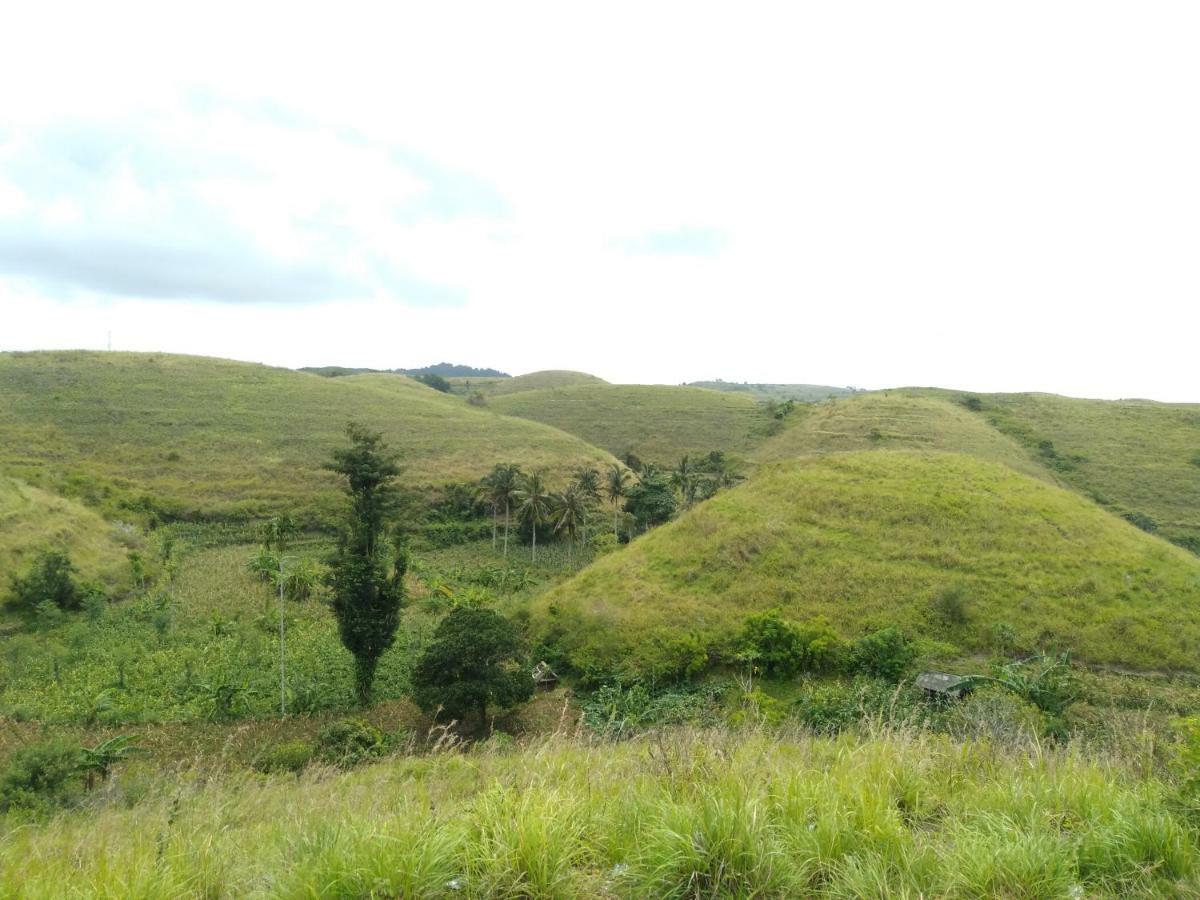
{"x": 444, "y": 369}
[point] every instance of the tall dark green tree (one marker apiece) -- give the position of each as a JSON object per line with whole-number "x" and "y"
{"x": 652, "y": 500}
{"x": 475, "y": 660}
{"x": 366, "y": 575}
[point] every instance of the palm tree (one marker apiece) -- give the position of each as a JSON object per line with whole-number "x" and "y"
{"x": 684, "y": 480}
{"x": 569, "y": 514}
{"x": 587, "y": 484}
{"x": 615, "y": 484}
{"x": 499, "y": 489}
{"x": 533, "y": 505}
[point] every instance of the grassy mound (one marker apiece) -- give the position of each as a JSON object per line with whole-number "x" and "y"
{"x": 689, "y": 815}
{"x": 872, "y": 539}
{"x": 895, "y": 422}
{"x": 801, "y": 393}
{"x": 534, "y": 381}
{"x": 1138, "y": 458}
{"x": 658, "y": 423}
{"x": 33, "y": 519}
{"x": 220, "y": 438}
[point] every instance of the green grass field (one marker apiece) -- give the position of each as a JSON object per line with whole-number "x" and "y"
{"x": 658, "y": 423}
{"x": 890, "y": 421}
{"x": 801, "y": 393}
{"x": 869, "y": 540}
{"x": 709, "y": 814}
{"x": 1135, "y": 457}
{"x": 32, "y": 520}
{"x": 533, "y": 381}
{"x": 210, "y": 437}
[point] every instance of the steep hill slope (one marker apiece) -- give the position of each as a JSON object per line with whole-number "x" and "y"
{"x": 871, "y": 539}
{"x": 32, "y": 519}
{"x": 895, "y": 422}
{"x": 214, "y": 437}
{"x": 1138, "y": 458}
{"x": 658, "y": 423}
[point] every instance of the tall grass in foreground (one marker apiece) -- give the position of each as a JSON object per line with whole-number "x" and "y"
{"x": 682, "y": 814}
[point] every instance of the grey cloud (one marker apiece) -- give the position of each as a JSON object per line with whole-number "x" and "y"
{"x": 188, "y": 245}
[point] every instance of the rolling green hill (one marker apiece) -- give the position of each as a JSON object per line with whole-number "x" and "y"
{"x": 871, "y": 539}
{"x": 533, "y": 381}
{"x": 208, "y": 437}
{"x": 1138, "y": 458}
{"x": 895, "y": 422}
{"x": 32, "y": 519}
{"x": 801, "y": 393}
{"x": 658, "y": 423}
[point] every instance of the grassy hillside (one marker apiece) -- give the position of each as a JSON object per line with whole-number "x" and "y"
{"x": 871, "y": 539}
{"x": 1138, "y": 458}
{"x": 659, "y": 423}
{"x": 535, "y": 381}
{"x": 683, "y": 815}
{"x": 32, "y": 519}
{"x": 895, "y": 422}
{"x": 220, "y": 438}
{"x": 801, "y": 393}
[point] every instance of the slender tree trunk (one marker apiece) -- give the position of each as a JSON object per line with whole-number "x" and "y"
{"x": 495, "y": 516}
{"x": 506, "y": 529}
{"x": 364, "y": 678}
{"x": 616, "y": 509}
{"x": 533, "y": 555}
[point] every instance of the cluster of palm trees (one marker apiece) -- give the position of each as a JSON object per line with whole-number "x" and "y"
{"x": 525, "y": 497}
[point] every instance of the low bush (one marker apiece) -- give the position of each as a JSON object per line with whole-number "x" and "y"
{"x": 886, "y": 654}
{"x": 40, "y": 776}
{"x": 50, "y": 579}
{"x": 349, "y": 742}
{"x": 291, "y": 756}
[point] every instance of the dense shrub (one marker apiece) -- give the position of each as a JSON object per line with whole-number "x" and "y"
{"x": 617, "y": 709}
{"x": 886, "y": 654}
{"x": 782, "y": 649}
{"x": 1142, "y": 521}
{"x": 49, "y": 580}
{"x": 349, "y": 742}
{"x": 41, "y": 775}
{"x": 290, "y": 756}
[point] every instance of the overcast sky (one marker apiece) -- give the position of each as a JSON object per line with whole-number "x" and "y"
{"x": 1000, "y": 196}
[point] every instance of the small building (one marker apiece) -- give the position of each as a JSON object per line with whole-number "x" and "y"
{"x": 944, "y": 686}
{"x": 544, "y": 678}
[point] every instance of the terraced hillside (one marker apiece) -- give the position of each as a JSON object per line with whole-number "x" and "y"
{"x": 872, "y": 539}
{"x": 893, "y": 421}
{"x": 211, "y": 437}
{"x": 1138, "y": 458}
{"x": 657, "y": 423}
{"x": 32, "y": 519}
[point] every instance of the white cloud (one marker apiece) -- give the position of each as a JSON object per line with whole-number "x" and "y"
{"x": 996, "y": 198}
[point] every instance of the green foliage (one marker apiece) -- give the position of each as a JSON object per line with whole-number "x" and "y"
{"x": 40, "y": 775}
{"x": 435, "y": 381}
{"x": 768, "y": 642}
{"x": 651, "y": 500}
{"x": 290, "y": 756}
{"x": 50, "y": 580}
{"x": 885, "y": 654}
{"x": 475, "y": 660}
{"x": 617, "y": 710}
{"x": 367, "y": 586}
{"x": 1142, "y": 521}
{"x": 350, "y": 742}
